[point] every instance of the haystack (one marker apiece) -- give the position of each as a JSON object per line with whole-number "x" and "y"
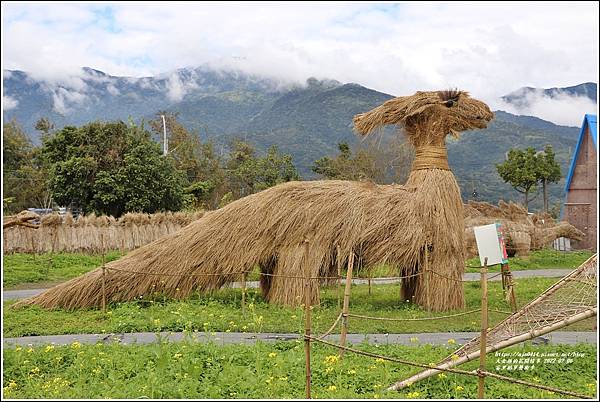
{"x": 523, "y": 232}
{"x": 413, "y": 227}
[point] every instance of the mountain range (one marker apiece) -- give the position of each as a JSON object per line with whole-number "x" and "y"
{"x": 306, "y": 120}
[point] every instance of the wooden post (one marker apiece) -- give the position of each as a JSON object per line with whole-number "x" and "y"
{"x": 369, "y": 281}
{"x": 103, "y": 275}
{"x": 428, "y": 278}
{"x": 244, "y": 294}
{"x": 508, "y": 286}
{"x": 339, "y": 274}
{"x": 484, "y": 328}
{"x": 33, "y": 249}
{"x": 307, "y": 317}
{"x": 346, "y": 305}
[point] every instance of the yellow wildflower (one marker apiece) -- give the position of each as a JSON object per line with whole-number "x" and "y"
{"x": 459, "y": 388}
{"x": 329, "y": 369}
{"x": 380, "y": 360}
{"x": 332, "y": 388}
{"x": 454, "y": 357}
{"x": 351, "y": 372}
{"x": 30, "y": 350}
{"x": 331, "y": 359}
{"x": 283, "y": 378}
{"x": 442, "y": 375}
{"x": 272, "y": 355}
{"x": 414, "y": 339}
{"x": 49, "y": 348}
{"x": 18, "y": 349}
{"x": 156, "y": 322}
{"x": 35, "y": 370}
{"x": 177, "y": 355}
{"x": 451, "y": 341}
{"x": 76, "y": 345}
{"x": 412, "y": 395}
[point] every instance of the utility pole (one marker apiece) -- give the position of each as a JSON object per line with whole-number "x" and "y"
{"x": 165, "y": 141}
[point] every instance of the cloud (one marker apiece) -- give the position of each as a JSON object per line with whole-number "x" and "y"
{"x": 9, "y": 103}
{"x": 62, "y": 98}
{"x": 177, "y": 87}
{"x": 562, "y": 108}
{"x": 487, "y": 49}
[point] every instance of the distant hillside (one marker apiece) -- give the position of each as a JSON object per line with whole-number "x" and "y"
{"x": 519, "y": 98}
{"x": 307, "y": 121}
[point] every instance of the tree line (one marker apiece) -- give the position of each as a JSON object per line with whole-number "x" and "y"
{"x": 117, "y": 167}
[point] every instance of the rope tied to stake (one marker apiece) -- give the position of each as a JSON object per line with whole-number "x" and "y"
{"x": 431, "y": 157}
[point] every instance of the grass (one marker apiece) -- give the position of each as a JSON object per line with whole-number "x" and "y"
{"x": 267, "y": 371}
{"x": 28, "y": 270}
{"x": 221, "y": 311}
{"x": 21, "y": 268}
{"x": 539, "y": 259}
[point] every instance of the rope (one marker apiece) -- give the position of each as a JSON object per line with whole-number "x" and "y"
{"x": 412, "y": 319}
{"x": 287, "y": 276}
{"x": 330, "y": 330}
{"x": 422, "y": 319}
{"x": 450, "y": 370}
{"x": 431, "y": 157}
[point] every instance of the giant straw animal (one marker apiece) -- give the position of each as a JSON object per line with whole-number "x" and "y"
{"x": 417, "y": 227}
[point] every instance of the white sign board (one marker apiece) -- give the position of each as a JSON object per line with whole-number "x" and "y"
{"x": 488, "y": 244}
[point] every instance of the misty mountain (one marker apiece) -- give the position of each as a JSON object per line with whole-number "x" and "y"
{"x": 521, "y": 97}
{"x": 305, "y": 120}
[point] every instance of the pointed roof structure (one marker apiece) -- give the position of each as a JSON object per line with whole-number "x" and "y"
{"x": 590, "y": 120}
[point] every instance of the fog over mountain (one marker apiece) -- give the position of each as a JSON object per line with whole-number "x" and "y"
{"x": 306, "y": 120}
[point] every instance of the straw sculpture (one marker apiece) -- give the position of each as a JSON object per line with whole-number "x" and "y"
{"x": 523, "y": 232}
{"x": 414, "y": 227}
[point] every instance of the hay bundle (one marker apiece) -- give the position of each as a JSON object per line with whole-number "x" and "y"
{"x": 412, "y": 227}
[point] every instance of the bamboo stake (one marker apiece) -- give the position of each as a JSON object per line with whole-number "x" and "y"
{"x": 346, "y": 305}
{"x": 307, "y": 317}
{"x": 33, "y": 250}
{"x": 339, "y": 274}
{"x": 244, "y": 294}
{"x": 427, "y": 278}
{"x": 103, "y": 276}
{"x": 484, "y": 328}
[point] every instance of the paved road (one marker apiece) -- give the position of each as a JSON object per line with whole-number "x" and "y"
{"x": 546, "y": 273}
{"x": 568, "y": 338}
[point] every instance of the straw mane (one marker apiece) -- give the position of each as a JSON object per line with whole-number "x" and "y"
{"x": 414, "y": 227}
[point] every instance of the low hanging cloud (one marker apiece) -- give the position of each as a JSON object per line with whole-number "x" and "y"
{"x": 9, "y": 103}
{"x": 561, "y": 108}
{"x": 64, "y": 100}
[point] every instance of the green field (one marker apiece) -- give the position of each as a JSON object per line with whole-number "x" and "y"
{"x": 221, "y": 311}
{"x": 195, "y": 370}
{"x": 28, "y": 270}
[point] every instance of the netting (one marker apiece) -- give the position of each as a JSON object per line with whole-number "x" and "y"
{"x": 571, "y": 299}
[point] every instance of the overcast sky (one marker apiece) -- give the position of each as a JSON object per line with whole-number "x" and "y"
{"x": 398, "y": 48}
